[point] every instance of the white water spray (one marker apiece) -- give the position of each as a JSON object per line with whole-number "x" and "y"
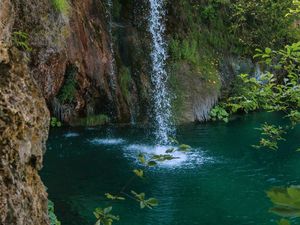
{"x": 112, "y": 72}
{"x": 159, "y": 76}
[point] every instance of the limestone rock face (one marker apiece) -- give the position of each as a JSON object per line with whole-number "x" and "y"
{"x": 24, "y": 124}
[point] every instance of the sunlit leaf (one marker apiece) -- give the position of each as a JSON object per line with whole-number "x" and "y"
{"x": 107, "y": 210}
{"x": 152, "y": 202}
{"x": 141, "y": 158}
{"x": 139, "y": 173}
{"x": 184, "y": 147}
{"x": 113, "y": 197}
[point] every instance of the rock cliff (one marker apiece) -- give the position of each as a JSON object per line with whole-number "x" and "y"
{"x": 24, "y": 123}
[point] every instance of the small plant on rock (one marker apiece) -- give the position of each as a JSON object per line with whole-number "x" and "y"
{"x": 21, "y": 40}
{"x": 55, "y": 122}
{"x": 61, "y": 6}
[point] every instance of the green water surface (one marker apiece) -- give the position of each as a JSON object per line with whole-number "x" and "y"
{"x": 222, "y": 181}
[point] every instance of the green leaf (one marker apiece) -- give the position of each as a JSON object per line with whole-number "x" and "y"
{"x": 141, "y": 158}
{"x": 268, "y": 50}
{"x": 113, "y": 197}
{"x": 286, "y": 211}
{"x": 284, "y": 222}
{"x": 152, "y": 201}
{"x": 184, "y": 147}
{"x": 286, "y": 201}
{"x": 152, "y": 163}
{"x": 171, "y": 150}
{"x": 140, "y": 197}
{"x": 139, "y": 173}
{"x": 107, "y": 210}
{"x": 173, "y": 140}
{"x": 142, "y": 204}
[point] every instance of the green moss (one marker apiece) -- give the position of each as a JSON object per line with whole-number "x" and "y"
{"x": 177, "y": 90}
{"x": 117, "y": 7}
{"x": 68, "y": 90}
{"x": 125, "y": 82}
{"x": 192, "y": 59}
{"x": 61, "y": 6}
{"x": 90, "y": 121}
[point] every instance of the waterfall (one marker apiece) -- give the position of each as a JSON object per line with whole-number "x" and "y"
{"x": 257, "y": 72}
{"x": 112, "y": 72}
{"x": 159, "y": 77}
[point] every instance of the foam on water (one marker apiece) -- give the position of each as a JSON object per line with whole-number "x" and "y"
{"x": 71, "y": 134}
{"x": 107, "y": 141}
{"x": 188, "y": 159}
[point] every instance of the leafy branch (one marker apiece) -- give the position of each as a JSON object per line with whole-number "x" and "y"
{"x": 105, "y": 217}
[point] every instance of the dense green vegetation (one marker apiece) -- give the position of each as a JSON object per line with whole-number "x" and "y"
{"x": 246, "y": 25}
{"x": 278, "y": 89}
{"x": 204, "y": 33}
{"x": 68, "y": 90}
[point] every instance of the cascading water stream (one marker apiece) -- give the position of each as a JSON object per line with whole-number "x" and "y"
{"x": 159, "y": 77}
{"x": 112, "y": 72}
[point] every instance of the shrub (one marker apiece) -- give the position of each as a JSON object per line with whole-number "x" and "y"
{"x": 257, "y": 24}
